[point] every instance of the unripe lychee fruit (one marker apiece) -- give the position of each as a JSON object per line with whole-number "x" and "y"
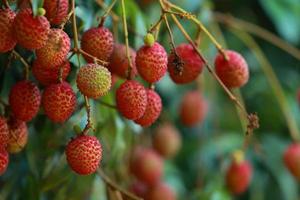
{"x": 161, "y": 191}
{"x": 56, "y": 11}
{"x": 4, "y": 160}
{"x": 59, "y": 101}
{"x": 138, "y": 188}
{"x": 98, "y": 42}
{"x": 185, "y": 65}
{"x": 291, "y": 159}
{"x": 4, "y": 132}
{"x": 119, "y": 63}
{"x": 238, "y": 175}
{"x": 153, "y": 109}
{"x": 146, "y": 165}
{"x": 84, "y": 154}
{"x": 18, "y": 135}
{"x": 193, "y": 108}
{"x": 93, "y": 80}
{"x": 166, "y": 140}
{"x": 234, "y": 72}
{"x": 7, "y": 39}
{"x": 151, "y": 62}
{"x": 31, "y": 32}
{"x": 47, "y": 76}
{"x": 131, "y": 99}
{"x": 55, "y": 50}
{"x": 24, "y": 100}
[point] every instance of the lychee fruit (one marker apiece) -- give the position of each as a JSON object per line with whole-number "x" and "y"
{"x": 4, "y": 132}
{"x": 18, "y": 135}
{"x": 166, "y": 140}
{"x": 47, "y": 76}
{"x": 146, "y": 165}
{"x": 153, "y": 109}
{"x": 193, "y": 108}
{"x": 161, "y": 191}
{"x": 56, "y": 11}
{"x": 7, "y": 39}
{"x": 151, "y": 62}
{"x": 131, "y": 99}
{"x": 119, "y": 63}
{"x": 31, "y": 32}
{"x": 84, "y": 154}
{"x": 55, "y": 50}
{"x": 4, "y": 160}
{"x": 59, "y": 101}
{"x": 25, "y": 100}
{"x": 98, "y": 42}
{"x": 93, "y": 80}
{"x": 184, "y": 66}
{"x": 233, "y": 70}
{"x": 138, "y": 188}
{"x": 291, "y": 159}
{"x": 238, "y": 175}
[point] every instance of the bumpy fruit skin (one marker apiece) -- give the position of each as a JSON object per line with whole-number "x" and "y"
{"x": 84, "y": 154}
{"x": 59, "y": 101}
{"x": 291, "y": 159}
{"x": 153, "y": 109}
{"x": 55, "y": 50}
{"x": 238, "y": 176}
{"x": 193, "y": 108}
{"x": 4, "y": 160}
{"x": 166, "y": 140}
{"x": 119, "y": 62}
{"x": 25, "y": 100}
{"x": 7, "y": 39}
{"x": 48, "y": 76}
{"x": 93, "y": 80}
{"x": 18, "y": 135}
{"x": 56, "y": 11}
{"x": 161, "y": 191}
{"x": 4, "y": 132}
{"x": 98, "y": 42}
{"x": 131, "y": 99}
{"x": 146, "y": 165}
{"x": 187, "y": 66}
{"x": 151, "y": 62}
{"x": 234, "y": 73}
{"x": 31, "y": 32}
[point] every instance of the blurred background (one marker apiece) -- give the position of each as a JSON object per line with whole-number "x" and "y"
{"x": 197, "y": 172}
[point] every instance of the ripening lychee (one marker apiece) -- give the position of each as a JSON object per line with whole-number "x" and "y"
{"x": 31, "y": 32}
{"x": 23, "y": 4}
{"x": 185, "y": 65}
{"x": 47, "y": 76}
{"x": 98, "y": 42}
{"x": 56, "y": 11}
{"x": 59, "y": 101}
{"x": 4, "y": 132}
{"x": 18, "y": 135}
{"x": 131, "y": 99}
{"x": 291, "y": 159}
{"x": 146, "y": 165}
{"x": 239, "y": 173}
{"x": 7, "y": 39}
{"x": 153, "y": 109}
{"x": 25, "y": 100}
{"x": 4, "y": 160}
{"x": 138, "y": 188}
{"x": 119, "y": 62}
{"x": 84, "y": 154}
{"x": 161, "y": 191}
{"x": 151, "y": 62}
{"x": 166, "y": 140}
{"x": 55, "y": 50}
{"x": 93, "y": 80}
{"x": 234, "y": 72}
{"x": 193, "y": 108}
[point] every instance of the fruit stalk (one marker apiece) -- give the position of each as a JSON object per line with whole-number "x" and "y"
{"x": 5, "y": 3}
{"x": 106, "y": 13}
{"x": 27, "y": 67}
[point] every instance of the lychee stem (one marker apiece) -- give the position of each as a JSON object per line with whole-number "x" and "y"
{"x": 106, "y": 13}
{"x": 26, "y": 65}
{"x": 5, "y": 3}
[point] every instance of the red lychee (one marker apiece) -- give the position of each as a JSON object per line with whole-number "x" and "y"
{"x": 4, "y": 132}
{"x": 56, "y": 11}
{"x": 291, "y": 159}
{"x": 161, "y": 191}
{"x": 138, "y": 188}
{"x": 18, "y": 135}
{"x": 7, "y": 39}
{"x": 4, "y": 160}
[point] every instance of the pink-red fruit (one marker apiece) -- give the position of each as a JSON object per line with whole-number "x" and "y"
{"x": 138, "y": 188}
{"x": 7, "y": 39}
{"x": 84, "y": 154}
{"x": 4, "y": 159}
{"x": 131, "y": 99}
{"x": 161, "y": 191}
{"x": 184, "y": 66}
{"x": 4, "y": 132}
{"x": 151, "y": 62}
{"x": 25, "y": 100}
{"x": 233, "y": 70}
{"x": 291, "y": 159}
{"x": 18, "y": 135}
{"x": 56, "y": 11}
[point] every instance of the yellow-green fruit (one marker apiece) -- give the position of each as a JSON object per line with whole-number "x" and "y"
{"x": 93, "y": 80}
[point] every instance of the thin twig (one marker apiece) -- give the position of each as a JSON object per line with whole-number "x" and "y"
{"x": 107, "y": 12}
{"x": 5, "y": 3}
{"x": 26, "y": 65}
{"x": 62, "y": 26}
{"x": 80, "y": 51}
{"x": 107, "y": 104}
